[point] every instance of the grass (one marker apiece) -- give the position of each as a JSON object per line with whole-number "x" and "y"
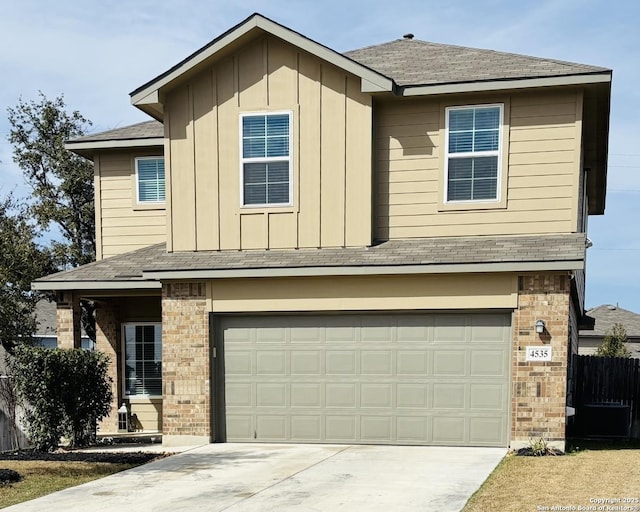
{"x": 44, "y": 477}
{"x": 532, "y": 483}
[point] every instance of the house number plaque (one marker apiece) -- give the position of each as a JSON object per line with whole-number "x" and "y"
{"x": 538, "y": 353}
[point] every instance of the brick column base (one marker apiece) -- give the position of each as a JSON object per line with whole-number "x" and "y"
{"x": 540, "y": 388}
{"x": 186, "y": 408}
{"x": 108, "y": 342}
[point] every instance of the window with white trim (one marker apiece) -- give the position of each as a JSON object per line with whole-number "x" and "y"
{"x": 472, "y": 153}
{"x": 143, "y": 359}
{"x": 150, "y": 179}
{"x": 266, "y": 159}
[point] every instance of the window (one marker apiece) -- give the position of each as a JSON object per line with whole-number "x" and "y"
{"x": 472, "y": 161}
{"x": 265, "y": 149}
{"x": 150, "y": 180}
{"x": 143, "y": 359}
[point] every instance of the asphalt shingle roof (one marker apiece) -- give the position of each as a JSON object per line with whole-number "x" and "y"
{"x": 428, "y": 252}
{"x": 410, "y": 62}
{"x": 606, "y": 315}
{"x": 145, "y": 130}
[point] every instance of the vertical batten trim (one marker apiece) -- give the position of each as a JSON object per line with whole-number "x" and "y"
{"x": 192, "y": 125}
{"x": 167, "y": 178}
{"x": 97, "y": 201}
{"x": 577, "y": 155}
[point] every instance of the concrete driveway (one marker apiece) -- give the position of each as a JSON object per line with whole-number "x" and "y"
{"x": 262, "y": 477}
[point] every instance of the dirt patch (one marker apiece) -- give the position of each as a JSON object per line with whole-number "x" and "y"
{"x": 75, "y": 456}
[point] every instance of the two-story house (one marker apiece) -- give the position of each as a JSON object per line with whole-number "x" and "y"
{"x": 309, "y": 246}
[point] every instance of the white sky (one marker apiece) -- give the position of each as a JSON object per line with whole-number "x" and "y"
{"x": 97, "y": 51}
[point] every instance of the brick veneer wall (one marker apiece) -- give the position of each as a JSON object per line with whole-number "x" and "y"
{"x": 68, "y": 322}
{"x": 186, "y": 409}
{"x": 539, "y": 389}
{"x": 108, "y": 341}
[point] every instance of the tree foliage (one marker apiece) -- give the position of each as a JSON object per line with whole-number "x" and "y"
{"x": 614, "y": 343}
{"x": 21, "y": 261}
{"x": 67, "y": 392}
{"x": 62, "y": 182}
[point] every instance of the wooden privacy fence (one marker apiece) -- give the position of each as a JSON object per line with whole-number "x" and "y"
{"x": 606, "y": 396}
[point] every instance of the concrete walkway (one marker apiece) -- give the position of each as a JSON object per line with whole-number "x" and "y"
{"x": 262, "y": 477}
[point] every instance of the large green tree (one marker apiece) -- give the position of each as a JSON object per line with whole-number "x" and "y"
{"x": 61, "y": 181}
{"x": 62, "y": 197}
{"x": 21, "y": 261}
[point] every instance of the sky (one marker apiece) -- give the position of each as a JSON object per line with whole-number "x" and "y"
{"x": 97, "y": 51}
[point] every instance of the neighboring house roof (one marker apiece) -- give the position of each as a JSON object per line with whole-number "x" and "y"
{"x": 607, "y": 315}
{"x": 139, "y": 269}
{"x": 46, "y": 318}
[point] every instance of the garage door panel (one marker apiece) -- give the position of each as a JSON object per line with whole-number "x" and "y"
{"x": 409, "y": 378}
{"x": 486, "y": 430}
{"x": 239, "y": 394}
{"x": 341, "y": 428}
{"x": 489, "y": 363}
{"x": 308, "y": 362}
{"x": 376, "y": 395}
{"x": 340, "y": 362}
{"x": 376, "y": 428}
{"x": 272, "y": 362}
{"x": 449, "y": 430}
{"x": 272, "y": 428}
{"x": 306, "y": 395}
{"x": 376, "y": 362}
{"x": 306, "y": 428}
{"x": 412, "y": 363}
{"x": 488, "y": 397}
{"x": 412, "y": 395}
{"x": 341, "y": 395}
{"x": 271, "y": 394}
{"x": 449, "y": 363}
{"x": 413, "y": 429}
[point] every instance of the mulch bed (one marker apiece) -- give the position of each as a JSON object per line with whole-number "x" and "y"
{"x": 74, "y": 456}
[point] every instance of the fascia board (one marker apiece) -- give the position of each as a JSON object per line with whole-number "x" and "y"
{"x": 368, "y": 270}
{"x": 499, "y": 85}
{"x": 139, "y": 97}
{"x": 94, "y": 285}
{"x": 117, "y": 143}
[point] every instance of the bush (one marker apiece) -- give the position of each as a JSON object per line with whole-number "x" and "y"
{"x": 614, "y": 341}
{"x": 9, "y": 476}
{"x": 66, "y": 392}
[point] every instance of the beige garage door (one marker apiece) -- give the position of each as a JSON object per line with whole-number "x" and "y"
{"x": 373, "y": 379}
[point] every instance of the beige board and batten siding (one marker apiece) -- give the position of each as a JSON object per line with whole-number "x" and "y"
{"x": 121, "y": 224}
{"x": 543, "y": 137}
{"x": 332, "y": 148}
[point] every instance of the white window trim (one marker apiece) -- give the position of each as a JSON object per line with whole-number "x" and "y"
{"x": 243, "y": 160}
{"x": 469, "y": 154}
{"x": 123, "y": 342}
{"x": 138, "y": 201}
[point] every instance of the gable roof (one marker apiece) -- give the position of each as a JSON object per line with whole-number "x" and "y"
{"x": 412, "y": 63}
{"x": 403, "y": 67}
{"x": 606, "y": 315}
{"x": 144, "y": 267}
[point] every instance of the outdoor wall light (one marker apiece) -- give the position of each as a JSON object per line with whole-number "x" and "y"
{"x": 540, "y": 326}
{"x": 123, "y": 419}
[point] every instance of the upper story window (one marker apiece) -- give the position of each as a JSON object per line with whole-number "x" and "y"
{"x": 266, "y": 159}
{"x": 143, "y": 359}
{"x": 473, "y": 148}
{"x": 150, "y": 180}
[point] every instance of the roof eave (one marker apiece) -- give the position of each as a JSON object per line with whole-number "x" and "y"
{"x": 499, "y": 85}
{"x": 95, "y": 285}
{"x": 148, "y": 97}
{"x": 88, "y": 148}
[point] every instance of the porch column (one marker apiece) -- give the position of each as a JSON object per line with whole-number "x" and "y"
{"x": 108, "y": 342}
{"x": 68, "y": 320}
{"x": 186, "y": 408}
{"x": 539, "y": 392}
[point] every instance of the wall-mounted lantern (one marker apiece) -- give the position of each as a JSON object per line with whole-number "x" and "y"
{"x": 123, "y": 418}
{"x": 540, "y": 326}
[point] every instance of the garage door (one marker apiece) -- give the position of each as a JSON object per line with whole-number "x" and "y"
{"x": 372, "y": 379}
